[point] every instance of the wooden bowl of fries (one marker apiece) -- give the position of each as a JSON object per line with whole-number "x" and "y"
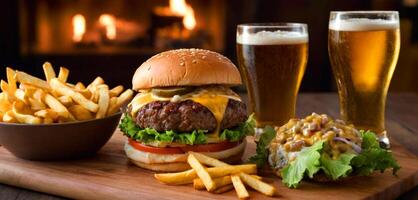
{"x": 57, "y": 141}
{"x": 53, "y": 119}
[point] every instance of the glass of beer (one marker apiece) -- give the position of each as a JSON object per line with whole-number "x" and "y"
{"x": 272, "y": 59}
{"x": 363, "y": 48}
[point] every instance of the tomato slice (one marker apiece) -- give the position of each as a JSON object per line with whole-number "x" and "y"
{"x": 180, "y": 150}
{"x": 151, "y": 149}
{"x": 209, "y": 147}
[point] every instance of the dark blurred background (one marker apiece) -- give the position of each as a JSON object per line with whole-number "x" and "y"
{"x": 111, "y": 38}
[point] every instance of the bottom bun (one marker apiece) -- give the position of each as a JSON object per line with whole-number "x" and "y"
{"x": 183, "y": 165}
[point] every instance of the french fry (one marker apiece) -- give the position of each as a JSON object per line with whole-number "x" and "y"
{"x": 39, "y": 95}
{"x": 9, "y": 117}
{"x": 21, "y": 106}
{"x": 80, "y": 86}
{"x": 80, "y": 113}
{"x": 257, "y": 184}
{"x": 206, "y": 160}
{"x": 22, "y": 77}
{"x": 11, "y": 81}
{"x": 47, "y": 113}
{"x": 20, "y": 94}
{"x": 219, "y": 182}
{"x": 63, "y": 74}
{"x": 242, "y": 193}
{"x": 223, "y": 189}
{"x": 114, "y": 92}
{"x": 121, "y": 100}
{"x": 112, "y": 104}
{"x": 48, "y": 71}
{"x": 63, "y": 120}
{"x": 36, "y": 105}
{"x": 24, "y": 118}
{"x": 67, "y": 101}
{"x": 187, "y": 177}
{"x": 5, "y": 87}
{"x": 201, "y": 172}
{"x": 26, "y": 86}
{"x": 77, "y": 97}
{"x": 5, "y": 105}
{"x": 94, "y": 94}
{"x": 29, "y": 91}
{"x": 103, "y": 101}
{"x": 54, "y": 104}
{"x": 86, "y": 93}
{"x": 48, "y": 120}
{"x": 97, "y": 81}
{"x": 178, "y": 178}
{"x": 1, "y": 117}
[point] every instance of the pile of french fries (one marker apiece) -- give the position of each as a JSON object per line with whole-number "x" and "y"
{"x": 28, "y": 99}
{"x": 218, "y": 177}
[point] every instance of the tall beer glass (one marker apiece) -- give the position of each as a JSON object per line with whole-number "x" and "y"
{"x": 363, "y": 48}
{"x": 272, "y": 59}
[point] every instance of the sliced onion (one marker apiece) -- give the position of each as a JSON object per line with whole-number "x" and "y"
{"x": 355, "y": 147}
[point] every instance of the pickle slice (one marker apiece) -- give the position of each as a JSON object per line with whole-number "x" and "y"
{"x": 171, "y": 91}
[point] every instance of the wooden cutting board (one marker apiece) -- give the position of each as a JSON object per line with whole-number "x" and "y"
{"x": 109, "y": 175}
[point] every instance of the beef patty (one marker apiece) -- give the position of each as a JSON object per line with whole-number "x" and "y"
{"x": 186, "y": 116}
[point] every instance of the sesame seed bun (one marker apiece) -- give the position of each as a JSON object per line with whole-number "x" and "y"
{"x": 186, "y": 67}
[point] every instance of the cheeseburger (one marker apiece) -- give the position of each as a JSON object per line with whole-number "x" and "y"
{"x": 184, "y": 103}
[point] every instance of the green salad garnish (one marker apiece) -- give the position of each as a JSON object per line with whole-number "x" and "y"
{"x": 314, "y": 159}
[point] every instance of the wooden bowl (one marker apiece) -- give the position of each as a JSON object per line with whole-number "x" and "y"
{"x": 57, "y": 141}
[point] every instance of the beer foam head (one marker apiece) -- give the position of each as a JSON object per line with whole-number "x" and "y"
{"x": 272, "y": 38}
{"x": 362, "y": 24}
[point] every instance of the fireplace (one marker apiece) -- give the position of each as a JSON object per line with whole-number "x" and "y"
{"x": 95, "y": 37}
{"x": 104, "y": 27}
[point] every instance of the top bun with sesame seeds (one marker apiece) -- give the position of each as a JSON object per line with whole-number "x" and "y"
{"x": 186, "y": 67}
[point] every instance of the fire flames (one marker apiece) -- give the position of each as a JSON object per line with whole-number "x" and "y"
{"x": 114, "y": 29}
{"x": 109, "y": 22}
{"x": 79, "y": 27}
{"x": 180, "y": 7}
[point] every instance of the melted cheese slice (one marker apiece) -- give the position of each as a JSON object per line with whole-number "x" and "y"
{"x": 215, "y": 98}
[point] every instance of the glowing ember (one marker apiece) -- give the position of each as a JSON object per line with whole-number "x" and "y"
{"x": 79, "y": 27}
{"x": 109, "y": 22}
{"x": 180, "y": 7}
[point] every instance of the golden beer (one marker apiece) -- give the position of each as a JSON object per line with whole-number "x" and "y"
{"x": 273, "y": 66}
{"x": 363, "y": 55}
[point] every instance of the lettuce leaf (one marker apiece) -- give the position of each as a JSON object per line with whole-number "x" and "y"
{"x": 312, "y": 159}
{"x": 237, "y": 134}
{"x": 146, "y": 135}
{"x": 337, "y": 168}
{"x": 307, "y": 162}
{"x": 262, "y": 151}
{"x": 373, "y": 157}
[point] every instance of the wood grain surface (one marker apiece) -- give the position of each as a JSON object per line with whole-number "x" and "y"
{"x": 110, "y": 176}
